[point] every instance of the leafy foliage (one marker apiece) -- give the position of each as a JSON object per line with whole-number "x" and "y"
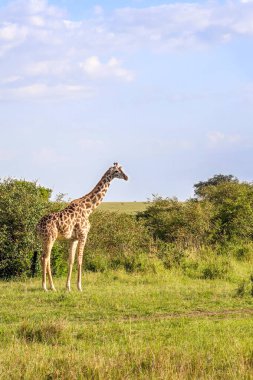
{"x": 221, "y": 212}
{"x": 185, "y": 223}
{"x": 115, "y": 241}
{"x": 22, "y": 203}
{"x": 218, "y": 179}
{"x": 233, "y": 215}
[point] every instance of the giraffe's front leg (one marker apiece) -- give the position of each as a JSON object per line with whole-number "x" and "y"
{"x": 50, "y": 277}
{"x": 72, "y": 251}
{"x": 44, "y": 272}
{"x": 80, "y": 248}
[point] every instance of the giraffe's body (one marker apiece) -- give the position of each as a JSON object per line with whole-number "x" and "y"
{"x": 72, "y": 223}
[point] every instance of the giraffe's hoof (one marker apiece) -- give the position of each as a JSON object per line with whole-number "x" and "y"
{"x": 79, "y": 288}
{"x": 53, "y": 289}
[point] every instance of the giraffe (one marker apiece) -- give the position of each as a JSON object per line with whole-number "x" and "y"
{"x": 72, "y": 223}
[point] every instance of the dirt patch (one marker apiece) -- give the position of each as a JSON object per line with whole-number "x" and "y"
{"x": 192, "y": 314}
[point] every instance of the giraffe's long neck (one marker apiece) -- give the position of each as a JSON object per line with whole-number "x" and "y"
{"x": 93, "y": 199}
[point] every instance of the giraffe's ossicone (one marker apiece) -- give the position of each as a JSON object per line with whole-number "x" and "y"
{"x": 72, "y": 223}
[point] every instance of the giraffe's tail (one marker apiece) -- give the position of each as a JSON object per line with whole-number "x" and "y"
{"x": 34, "y": 262}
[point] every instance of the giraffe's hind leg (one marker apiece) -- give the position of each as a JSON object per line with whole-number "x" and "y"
{"x": 52, "y": 287}
{"x": 46, "y": 267}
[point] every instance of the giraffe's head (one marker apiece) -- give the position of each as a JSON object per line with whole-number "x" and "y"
{"x": 116, "y": 171}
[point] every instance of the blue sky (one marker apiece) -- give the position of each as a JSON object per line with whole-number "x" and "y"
{"x": 164, "y": 88}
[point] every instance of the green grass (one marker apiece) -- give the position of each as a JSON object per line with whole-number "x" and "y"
{"x": 126, "y": 326}
{"x": 127, "y": 207}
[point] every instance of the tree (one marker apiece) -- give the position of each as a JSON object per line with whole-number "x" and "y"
{"x": 184, "y": 223}
{"x": 221, "y": 212}
{"x": 233, "y": 207}
{"x": 201, "y": 188}
{"x": 22, "y": 203}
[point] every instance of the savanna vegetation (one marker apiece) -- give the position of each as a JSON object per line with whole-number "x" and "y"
{"x": 168, "y": 288}
{"x": 127, "y": 326}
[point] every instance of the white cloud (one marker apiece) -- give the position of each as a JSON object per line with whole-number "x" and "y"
{"x": 49, "y": 48}
{"x": 11, "y": 79}
{"x": 8, "y": 31}
{"x": 36, "y": 6}
{"x": 163, "y": 27}
{"x": 98, "y": 10}
{"x": 217, "y": 138}
{"x": 184, "y": 25}
{"x": 37, "y": 21}
{"x": 72, "y": 25}
{"x": 11, "y": 36}
{"x": 95, "y": 68}
{"x": 41, "y": 90}
{"x": 33, "y": 30}
{"x": 47, "y": 68}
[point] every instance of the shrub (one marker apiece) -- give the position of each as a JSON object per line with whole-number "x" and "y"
{"x": 186, "y": 224}
{"x": 241, "y": 290}
{"x": 232, "y": 201}
{"x": 22, "y": 203}
{"x": 144, "y": 264}
{"x": 96, "y": 261}
{"x": 115, "y": 241}
{"x": 244, "y": 252}
{"x": 214, "y": 269}
{"x": 245, "y": 287}
{"x": 210, "y": 268}
{"x": 240, "y": 250}
{"x": 59, "y": 258}
{"x": 170, "y": 254}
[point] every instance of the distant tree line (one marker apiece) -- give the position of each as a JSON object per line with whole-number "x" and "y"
{"x": 219, "y": 218}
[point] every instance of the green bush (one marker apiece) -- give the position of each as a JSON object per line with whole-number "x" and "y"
{"x": 59, "y": 258}
{"x": 244, "y": 252}
{"x": 96, "y": 261}
{"x": 211, "y": 268}
{"x": 240, "y": 250}
{"x": 232, "y": 202}
{"x": 115, "y": 241}
{"x": 22, "y": 203}
{"x": 214, "y": 269}
{"x": 170, "y": 254}
{"x": 143, "y": 263}
{"x": 186, "y": 224}
{"x": 220, "y": 213}
{"x": 245, "y": 287}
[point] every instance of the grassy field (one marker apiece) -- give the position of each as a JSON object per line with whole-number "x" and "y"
{"x": 127, "y": 326}
{"x": 127, "y": 207}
